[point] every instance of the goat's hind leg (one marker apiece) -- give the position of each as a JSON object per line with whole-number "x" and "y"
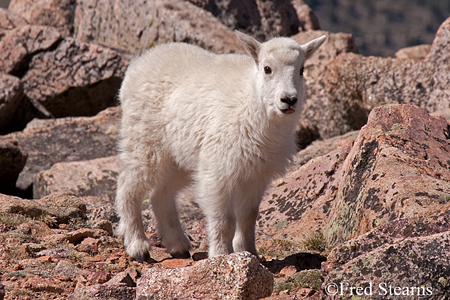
{"x": 131, "y": 191}
{"x": 164, "y": 207}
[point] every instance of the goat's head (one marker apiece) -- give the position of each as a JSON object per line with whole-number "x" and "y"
{"x": 279, "y": 77}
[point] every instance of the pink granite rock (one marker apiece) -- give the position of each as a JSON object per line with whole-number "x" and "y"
{"x": 21, "y": 43}
{"x": 134, "y": 26}
{"x": 75, "y": 78}
{"x": 67, "y": 139}
{"x": 55, "y": 13}
{"x": 397, "y": 168}
{"x": 95, "y": 177}
{"x": 234, "y": 276}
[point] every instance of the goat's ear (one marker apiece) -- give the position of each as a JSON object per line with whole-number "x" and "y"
{"x": 313, "y": 45}
{"x": 250, "y": 44}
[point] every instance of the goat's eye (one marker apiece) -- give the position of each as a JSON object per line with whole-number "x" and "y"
{"x": 302, "y": 70}
{"x": 267, "y": 70}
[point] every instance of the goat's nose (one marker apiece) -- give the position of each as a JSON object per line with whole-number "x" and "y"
{"x": 289, "y": 100}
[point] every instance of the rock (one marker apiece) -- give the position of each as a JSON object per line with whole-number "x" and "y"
{"x": 9, "y": 21}
{"x": 60, "y": 208}
{"x": 234, "y": 276}
{"x": 416, "y": 52}
{"x": 299, "y": 204}
{"x": 2, "y": 291}
{"x": 36, "y": 283}
{"x": 314, "y": 119}
{"x": 95, "y": 177}
{"x": 67, "y": 139}
{"x": 89, "y": 245}
{"x": 122, "y": 278}
{"x": 75, "y": 79}
{"x": 65, "y": 270}
{"x": 11, "y": 98}
{"x": 20, "y": 44}
{"x": 61, "y": 77}
{"x": 350, "y": 86}
{"x": 439, "y": 53}
{"x": 262, "y": 19}
{"x": 335, "y": 44}
{"x": 388, "y": 234}
{"x": 409, "y": 265}
{"x": 12, "y": 160}
{"x": 320, "y": 148}
{"x": 55, "y": 13}
{"x": 397, "y": 168}
{"x": 99, "y": 277}
{"x": 137, "y": 25}
{"x": 303, "y": 279}
{"x": 75, "y": 237}
{"x": 308, "y": 20}
{"x": 104, "y": 291}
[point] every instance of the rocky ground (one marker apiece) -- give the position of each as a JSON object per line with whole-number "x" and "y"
{"x": 362, "y": 213}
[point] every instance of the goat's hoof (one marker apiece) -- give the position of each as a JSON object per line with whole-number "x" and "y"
{"x": 142, "y": 257}
{"x": 184, "y": 254}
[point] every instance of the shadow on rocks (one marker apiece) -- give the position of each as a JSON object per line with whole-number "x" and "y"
{"x": 301, "y": 261}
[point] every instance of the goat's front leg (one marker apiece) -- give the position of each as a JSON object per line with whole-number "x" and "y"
{"x": 220, "y": 218}
{"x": 246, "y": 208}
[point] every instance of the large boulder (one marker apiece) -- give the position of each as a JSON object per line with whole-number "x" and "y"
{"x": 350, "y": 86}
{"x": 404, "y": 257}
{"x": 136, "y": 25}
{"x": 9, "y": 21}
{"x": 67, "y": 139}
{"x": 299, "y": 204}
{"x": 397, "y": 168}
{"x": 75, "y": 79}
{"x": 378, "y": 204}
{"x": 263, "y": 19}
{"x": 234, "y": 276}
{"x": 55, "y": 13}
{"x": 95, "y": 177}
{"x": 20, "y": 44}
{"x": 315, "y": 115}
{"x": 60, "y": 77}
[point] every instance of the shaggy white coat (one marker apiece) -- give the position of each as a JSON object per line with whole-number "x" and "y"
{"x": 217, "y": 121}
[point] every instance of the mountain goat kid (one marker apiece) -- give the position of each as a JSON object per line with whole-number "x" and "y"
{"x": 222, "y": 122}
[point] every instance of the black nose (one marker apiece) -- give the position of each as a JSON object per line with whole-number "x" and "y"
{"x": 289, "y": 100}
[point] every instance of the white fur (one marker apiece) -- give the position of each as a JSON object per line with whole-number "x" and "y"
{"x": 191, "y": 116}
